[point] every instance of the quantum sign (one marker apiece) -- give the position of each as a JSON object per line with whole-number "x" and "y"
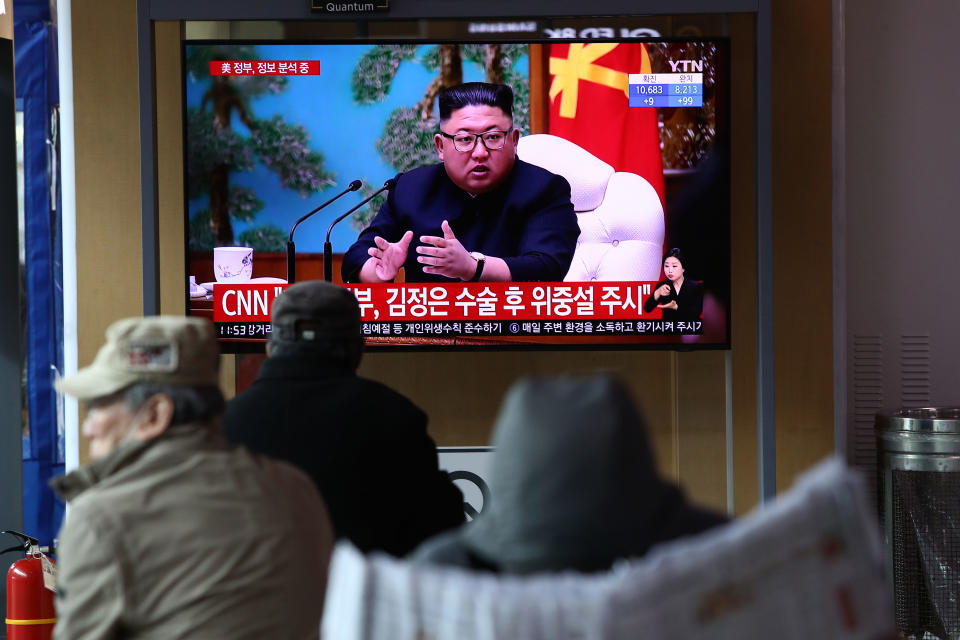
{"x": 350, "y": 7}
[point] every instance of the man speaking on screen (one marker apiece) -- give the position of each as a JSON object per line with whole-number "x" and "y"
{"x": 481, "y": 214}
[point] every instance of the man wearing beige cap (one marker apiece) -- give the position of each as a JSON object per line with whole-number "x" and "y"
{"x": 172, "y": 532}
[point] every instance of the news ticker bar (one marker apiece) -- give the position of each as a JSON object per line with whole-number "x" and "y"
{"x": 462, "y": 301}
{"x": 262, "y": 330}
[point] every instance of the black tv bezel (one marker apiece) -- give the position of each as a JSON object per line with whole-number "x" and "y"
{"x": 229, "y": 346}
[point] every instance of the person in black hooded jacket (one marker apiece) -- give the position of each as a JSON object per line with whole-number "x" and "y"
{"x": 365, "y": 445}
{"x": 572, "y": 483}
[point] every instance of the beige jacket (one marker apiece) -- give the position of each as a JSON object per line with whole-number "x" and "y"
{"x": 186, "y": 536}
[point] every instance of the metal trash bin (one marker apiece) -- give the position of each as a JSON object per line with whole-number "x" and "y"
{"x": 918, "y": 489}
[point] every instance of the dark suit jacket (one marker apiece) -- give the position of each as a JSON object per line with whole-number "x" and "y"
{"x": 689, "y": 301}
{"x": 528, "y": 221}
{"x": 365, "y": 446}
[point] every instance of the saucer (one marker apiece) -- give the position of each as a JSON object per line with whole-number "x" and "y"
{"x": 265, "y": 280}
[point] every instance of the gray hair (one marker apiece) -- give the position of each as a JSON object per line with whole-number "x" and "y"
{"x": 191, "y": 404}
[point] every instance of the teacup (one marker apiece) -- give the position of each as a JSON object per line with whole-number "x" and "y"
{"x": 232, "y": 264}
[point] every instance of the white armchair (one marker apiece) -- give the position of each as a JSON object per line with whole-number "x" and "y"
{"x": 620, "y": 215}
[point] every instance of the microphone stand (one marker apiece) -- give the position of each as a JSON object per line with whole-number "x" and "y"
{"x": 291, "y": 247}
{"x": 327, "y": 248}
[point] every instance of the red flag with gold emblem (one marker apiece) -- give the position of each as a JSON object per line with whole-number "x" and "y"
{"x": 589, "y": 105}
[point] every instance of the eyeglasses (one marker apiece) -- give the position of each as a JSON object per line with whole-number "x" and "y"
{"x": 492, "y": 140}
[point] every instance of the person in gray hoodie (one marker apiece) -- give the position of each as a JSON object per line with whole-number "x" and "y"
{"x": 573, "y": 485}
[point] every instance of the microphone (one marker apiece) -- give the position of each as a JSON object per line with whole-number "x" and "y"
{"x": 327, "y": 249}
{"x": 291, "y": 247}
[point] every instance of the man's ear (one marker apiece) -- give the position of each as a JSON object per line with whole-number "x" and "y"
{"x": 157, "y": 413}
{"x": 438, "y": 143}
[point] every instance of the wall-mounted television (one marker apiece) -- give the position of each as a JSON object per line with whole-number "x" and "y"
{"x": 637, "y": 126}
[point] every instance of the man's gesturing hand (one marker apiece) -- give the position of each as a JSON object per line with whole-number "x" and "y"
{"x": 390, "y": 256}
{"x": 446, "y": 256}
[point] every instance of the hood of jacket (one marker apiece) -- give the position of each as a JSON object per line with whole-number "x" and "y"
{"x": 573, "y": 480}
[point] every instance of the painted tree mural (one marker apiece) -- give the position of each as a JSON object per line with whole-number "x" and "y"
{"x": 407, "y": 139}
{"x": 217, "y": 150}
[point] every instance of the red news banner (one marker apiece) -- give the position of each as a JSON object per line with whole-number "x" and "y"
{"x": 495, "y": 308}
{"x": 264, "y": 67}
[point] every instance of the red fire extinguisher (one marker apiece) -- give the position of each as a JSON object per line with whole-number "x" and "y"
{"x": 30, "y": 585}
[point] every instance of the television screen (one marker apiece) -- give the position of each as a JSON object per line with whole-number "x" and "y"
{"x": 629, "y": 247}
